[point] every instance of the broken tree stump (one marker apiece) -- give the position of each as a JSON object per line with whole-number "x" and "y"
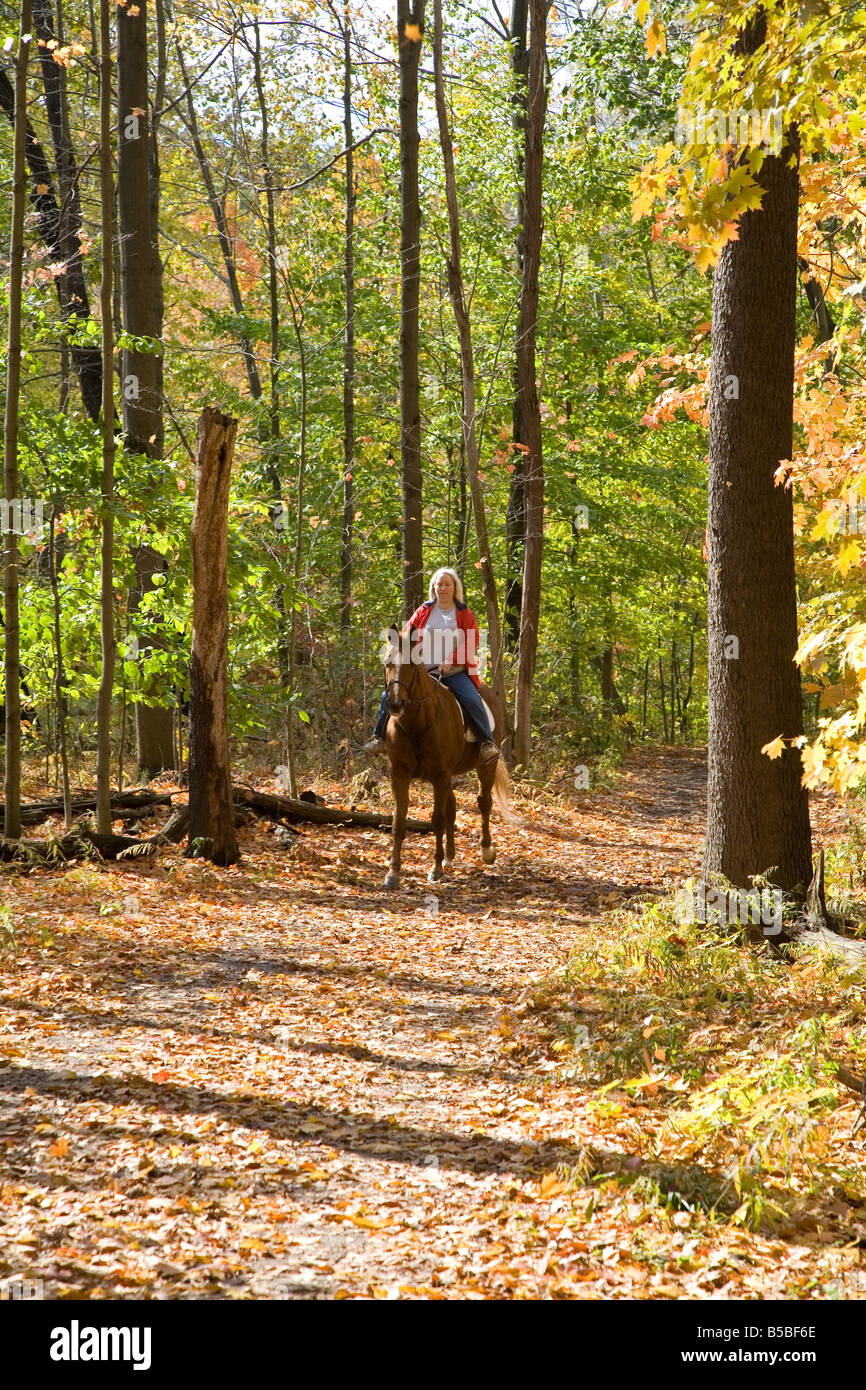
{"x": 211, "y": 810}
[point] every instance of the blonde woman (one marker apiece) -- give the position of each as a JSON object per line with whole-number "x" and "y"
{"x": 450, "y": 654}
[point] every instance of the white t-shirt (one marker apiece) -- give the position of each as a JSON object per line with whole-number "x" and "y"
{"x": 439, "y": 638}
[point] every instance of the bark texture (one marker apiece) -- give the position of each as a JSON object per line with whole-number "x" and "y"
{"x": 211, "y": 810}
{"x": 758, "y": 814}
{"x": 11, "y": 658}
{"x": 533, "y": 477}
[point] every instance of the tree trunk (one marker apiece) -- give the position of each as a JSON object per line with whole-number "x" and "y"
{"x": 211, "y": 810}
{"x": 12, "y": 660}
{"x": 299, "y": 535}
{"x": 59, "y": 672}
{"x": 467, "y": 364}
{"x": 71, "y": 287}
{"x": 758, "y": 813}
{"x": 141, "y": 304}
{"x": 515, "y": 519}
{"x": 411, "y": 13}
{"x": 348, "y": 347}
{"x": 612, "y": 701}
{"x": 533, "y": 478}
{"x": 106, "y": 602}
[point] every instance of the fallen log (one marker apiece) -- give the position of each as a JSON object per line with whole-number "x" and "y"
{"x": 289, "y": 809}
{"x": 141, "y": 802}
{"x": 78, "y": 845}
{"x": 81, "y": 843}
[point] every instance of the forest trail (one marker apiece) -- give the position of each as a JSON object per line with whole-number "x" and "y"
{"x": 280, "y": 1080}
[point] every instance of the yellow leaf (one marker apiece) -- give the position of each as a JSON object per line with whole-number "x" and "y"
{"x": 656, "y": 40}
{"x": 60, "y": 1149}
{"x": 552, "y": 1186}
{"x": 848, "y": 555}
{"x": 705, "y": 258}
{"x": 774, "y": 749}
{"x": 413, "y": 33}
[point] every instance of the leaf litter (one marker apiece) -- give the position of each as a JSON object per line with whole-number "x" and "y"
{"x": 279, "y": 1080}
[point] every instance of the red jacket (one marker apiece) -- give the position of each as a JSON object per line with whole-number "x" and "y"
{"x": 465, "y": 622}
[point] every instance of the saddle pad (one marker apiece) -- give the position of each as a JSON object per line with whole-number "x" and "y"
{"x": 471, "y": 736}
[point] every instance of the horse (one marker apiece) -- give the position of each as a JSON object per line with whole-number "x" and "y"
{"x": 426, "y": 738}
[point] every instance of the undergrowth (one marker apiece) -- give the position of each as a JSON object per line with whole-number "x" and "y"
{"x": 724, "y": 1053}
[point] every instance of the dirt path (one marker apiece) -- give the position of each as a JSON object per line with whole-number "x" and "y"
{"x": 279, "y": 1080}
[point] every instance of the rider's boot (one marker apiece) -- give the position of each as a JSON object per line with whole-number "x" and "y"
{"x": 374, "y": 745}
{"x": 488, "y": 751}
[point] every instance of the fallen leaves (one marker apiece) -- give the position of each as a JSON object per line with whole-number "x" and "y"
{"x": 272, "y": 1083}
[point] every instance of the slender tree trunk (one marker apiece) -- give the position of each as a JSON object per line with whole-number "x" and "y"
{"x": 106, "y": 683}
{"x": 533, "y": 481}
{"x": 348, "y": 348}
{"x": 758, "y": 812}
{"x": 515, "y": 518}
{"x": 59, "y": 673}
{"x": 410, "y": 13}
{"x": 299, "y": 537}
{"x": 271, "y": 445}
{"x": 12, "y": 657}
{"x": 467, "y": 363}
{"x": 211, "y": 809}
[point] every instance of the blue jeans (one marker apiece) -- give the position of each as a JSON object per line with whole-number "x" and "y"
{"x": 464, "y": 688}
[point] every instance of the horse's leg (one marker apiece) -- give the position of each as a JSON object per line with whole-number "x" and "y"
{"x": 450, "y": 813}
{"x": 486, "y": 774}
{"x": 440, "y": 802}
{"x": 400, "y": 789}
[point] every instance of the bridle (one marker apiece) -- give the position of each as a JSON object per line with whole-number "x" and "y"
{"x": 410, "y": 699}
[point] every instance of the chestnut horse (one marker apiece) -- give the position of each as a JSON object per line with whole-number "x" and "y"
{"x": 426, "y": 738}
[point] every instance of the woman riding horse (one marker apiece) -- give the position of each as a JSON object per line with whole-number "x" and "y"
{"x": 450, "y": 651}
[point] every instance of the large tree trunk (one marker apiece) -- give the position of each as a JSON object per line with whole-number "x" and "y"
{"x": 467, "y": 363}
{"x": 106, "y": 582}
{"x": 758, "y": 814}
{"x": 411, "y": 13}
{"x": 141, "y": 301}
{"x": 211, "y": 810}
{"x": 515, "y": 519}
{"x": 533, "y": 479}
{"x": 12, "y": 666}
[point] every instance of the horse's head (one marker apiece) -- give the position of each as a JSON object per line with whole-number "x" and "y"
{"x": 402, "y": 658}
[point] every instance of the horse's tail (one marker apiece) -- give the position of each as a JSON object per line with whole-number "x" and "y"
{"x": 501, "y": 791}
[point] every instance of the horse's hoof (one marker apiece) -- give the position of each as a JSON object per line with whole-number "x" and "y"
{"x": 435, "y": 875}
{"x": 392, "y": 880}
{"x": 488, "y": 854}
